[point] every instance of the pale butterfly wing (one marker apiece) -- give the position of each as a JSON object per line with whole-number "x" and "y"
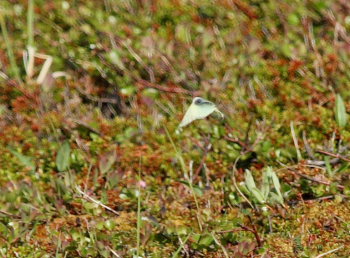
{"x": 220, "y": 113}
{"x": 195, "y": 112}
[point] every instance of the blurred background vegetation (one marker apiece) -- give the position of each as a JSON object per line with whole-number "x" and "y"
{"x": 91, "y": 94}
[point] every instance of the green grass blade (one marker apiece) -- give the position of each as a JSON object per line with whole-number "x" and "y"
{"x": 182, "y": 162}
{"x": 25, "y": 160}
{"x": 249, "y": 180}
{"x": 340, "y": 111}
{"x": 11, "y": 56}
{"x": 30, "y": 23}
{"x": 138, "y": 227}
{"x": 265, "y": 187}
{"x": 258, "y": 195}
{"x": 276, "y": 183}
{"x": 63, "y": 157}
{"x": 175, "y": 255}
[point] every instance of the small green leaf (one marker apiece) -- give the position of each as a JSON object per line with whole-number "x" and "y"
{"x": 206, "y": 240}
{"x": 265, "y": 188}
{"x": 249, "y": 180}
{"x": 340, "y": 111}
{"x": 293, "y": 19}
{"x": 63, "y": 157}
{"x": 275, "y": 180}
{"x": 275, "y": 197}
{"x": 342, "y": 168}
{"x": 25, "y": 160}
{"x": 276, "y": 184}
{"x": 196, "y": 237}
{"x": 258, "y": 195}
{"x": 106, "y": 161}
{"x": 4, "y": 229}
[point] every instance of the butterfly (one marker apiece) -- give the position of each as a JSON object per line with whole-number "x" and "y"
{"x": 200, "y": 108}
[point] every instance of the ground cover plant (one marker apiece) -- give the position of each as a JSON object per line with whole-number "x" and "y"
{"x": 92, "y": 163}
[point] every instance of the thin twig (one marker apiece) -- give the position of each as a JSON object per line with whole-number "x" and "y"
{"x": 246, "y": 145}
{"x": 9, "y": 214}
{"x": 329, "y": 252}
{"x": 321, "y": 162}
{"x": 236, "y": 186}
{"x": 184, "y": 170}
{"x": 86, "y": 126}
{"x": 114, "y": 252}
{"x": 246, "y": 138}
{"x": 239, "y": 142}
{"x": 325, "y": 198}
{"x": 87, "y": 177}
{"x": 201, "y": 165}
{"x": 295, "y": 140}
{"x": 313, "y": 179}
{"x": 4, "y": 75}
{"x": 307, "y": 147}
{"x": 254, "y": 231}
{"x": 246, "y": 9}
{"x": 333, "y": 155}
{"x": 97, "y": 99}
{"x": 86, "y": 196}
{"x": 230, "y": 231}
{"x": 313, "y": 166}
{"x": 219, "y": 244}
{"x": 145, "y": 84}
{"x": 182, "y": 246}
{"x": 338, "y": 27}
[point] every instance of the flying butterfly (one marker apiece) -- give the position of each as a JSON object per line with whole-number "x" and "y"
{"x": 200, "y": 108}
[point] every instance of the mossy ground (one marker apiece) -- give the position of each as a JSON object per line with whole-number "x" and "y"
{"x": 130, "y": 70}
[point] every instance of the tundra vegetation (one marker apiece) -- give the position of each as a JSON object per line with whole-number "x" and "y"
{"x": 92, "y": 163}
